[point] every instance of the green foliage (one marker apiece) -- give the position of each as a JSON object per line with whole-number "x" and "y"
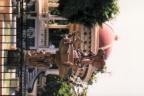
{"x": 85, "y": 92}
{"x": 88, "y": 12}
{"x": 93, "y": 79}
{"x": 55, "y": 87}
{"x": 54, "y": 11}
{"x": 65, "y": 89}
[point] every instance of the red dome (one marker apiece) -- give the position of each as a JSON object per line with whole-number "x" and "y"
{"x": 107, "y": 37}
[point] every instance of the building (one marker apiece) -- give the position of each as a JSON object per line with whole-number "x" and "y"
{"x": 7, "y": 42}
{"x": 38, "y": 31}
{"x": 33, "y": 25}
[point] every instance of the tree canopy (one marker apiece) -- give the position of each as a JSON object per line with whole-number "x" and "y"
{"x": 88, "y": 12}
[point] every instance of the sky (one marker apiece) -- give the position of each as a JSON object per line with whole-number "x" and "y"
{"x": 126, "y": 62}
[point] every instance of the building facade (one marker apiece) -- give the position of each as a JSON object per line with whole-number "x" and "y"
{"x": 35, "y": 25}
{"x": 39, "y": 28}
{"x": 7, "y": 42}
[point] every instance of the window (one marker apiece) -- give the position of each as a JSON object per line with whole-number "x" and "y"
{"x": 7, "y": 42}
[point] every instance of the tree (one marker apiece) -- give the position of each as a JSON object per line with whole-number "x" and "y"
{"x": 88, "y": 12}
